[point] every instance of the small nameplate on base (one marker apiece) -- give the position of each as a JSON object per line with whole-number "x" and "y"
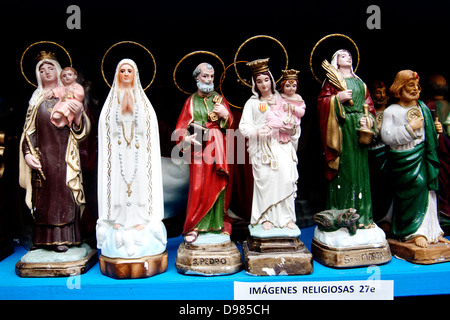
{"x": 351, "y": 257}
{"x": 208, "y": 259}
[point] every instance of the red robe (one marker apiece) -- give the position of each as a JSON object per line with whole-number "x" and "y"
{"x": 207, "y": 178}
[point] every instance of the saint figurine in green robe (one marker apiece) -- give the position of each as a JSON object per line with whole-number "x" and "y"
{"x": 342, "y": 115}
{"x": 410, "y": 132}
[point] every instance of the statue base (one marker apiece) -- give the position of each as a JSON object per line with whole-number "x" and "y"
{"x": 208, "y": 259}
{"x": 42, "y": 263}
{"x": 121, "y": 268}
{"x": 276, "y": 256}
{"x": 434, "y": 253}
{"x": 351, "y": 257}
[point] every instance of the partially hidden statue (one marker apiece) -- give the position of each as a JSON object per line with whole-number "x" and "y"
{"x": 440, "y": 108}
{"x": 380, "y": 181}
{"x": 130, "y": 231}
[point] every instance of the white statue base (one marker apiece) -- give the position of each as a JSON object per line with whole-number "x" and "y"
{"x": 339, "y": 249}
{"x": 43, "y": 263}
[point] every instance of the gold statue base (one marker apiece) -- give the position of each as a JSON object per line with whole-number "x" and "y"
{"x": 120, "y": 268}
{"x": 276, "y": 256}
{"x": 433, "y": 253}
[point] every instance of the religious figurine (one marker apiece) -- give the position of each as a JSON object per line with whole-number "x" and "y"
{"x": 201, "y": 129}
{"x": 444, "y": 180}
{"x": 70, "y": 94}
{"x": 271, "y": 123}
{"x": 440, "y": 108}
{"x": 130, "y": 231}
{"x": 380, "y": 97}
{"x": 346, "y": 119}
{"x": 437, "y": 102}
{"x": 380, "y": 185}
{"x": 51, "y": 174}
{"x": 447, "y": 124}
{"x": 290, "y": 110}
{"x": 410, "y": 132}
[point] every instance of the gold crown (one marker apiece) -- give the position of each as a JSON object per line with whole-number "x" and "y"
{"x": 45, "y": 55}
{"x": 290, "y": 74}
{"x": 259, "y": 66}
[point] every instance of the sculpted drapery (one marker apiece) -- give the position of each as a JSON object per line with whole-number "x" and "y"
{"x": 209, "y": 171}
{"x": 275, "y": 187}
{"x": 130, "y": 190}
{"x": 346, "y": 160}
{"x": 56, "y": 201}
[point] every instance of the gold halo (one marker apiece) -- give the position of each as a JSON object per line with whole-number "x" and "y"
{"x": 221, "y": 91}
{"x": 138, "y": 44}
{"x": 247, "y": 41}
{"x": 32, "y": 45}
{"x": 222, "y": 77}
{"x": 324, "y": 38}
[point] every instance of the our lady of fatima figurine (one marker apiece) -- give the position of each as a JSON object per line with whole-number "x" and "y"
{"x": 271, "y": 124}
{"x": 346, "y": 235}
{"x": 130, "y": 231}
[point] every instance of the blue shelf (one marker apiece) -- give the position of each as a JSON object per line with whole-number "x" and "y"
{"x": 409, "y": 280}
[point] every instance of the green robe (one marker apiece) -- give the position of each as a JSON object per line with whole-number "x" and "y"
{"x": 415, "y": 173}
{"x": 213, "y": 220}
{"x": 351, "y": 186}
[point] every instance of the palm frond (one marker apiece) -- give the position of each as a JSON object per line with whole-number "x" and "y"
{"x": 334, "y": 76}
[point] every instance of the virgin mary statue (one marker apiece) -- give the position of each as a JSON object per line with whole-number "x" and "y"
{"x": 130, "y": 188}
{"x": 50, "y": 169}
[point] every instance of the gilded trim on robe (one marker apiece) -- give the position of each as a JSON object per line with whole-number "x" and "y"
{"x": 74, "y": 178}
{"x": 334, "y": 133}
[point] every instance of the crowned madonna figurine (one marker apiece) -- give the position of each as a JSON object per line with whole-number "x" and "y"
{"x": 130, "y": 231}
{"x": 51, "y": 174}
{"x": 201, "y": 128}
{"x": 271, "y": 124}
{"x": 346, "y": 235}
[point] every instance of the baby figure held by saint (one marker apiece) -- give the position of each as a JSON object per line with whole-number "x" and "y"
{"x": 70, "y": 94}
{"x": 291, "y": 109}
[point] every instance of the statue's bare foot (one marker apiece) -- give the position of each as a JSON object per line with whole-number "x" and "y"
{"x": 190, "y": 237}
{"x": 291, "y": 225}
{"x": 61, "y": 248}
{"x": 267, "y": 225}
{"x": 421, "y": 241}
{"x": 443, "y": 240}
{"x": 140, "y": 227}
